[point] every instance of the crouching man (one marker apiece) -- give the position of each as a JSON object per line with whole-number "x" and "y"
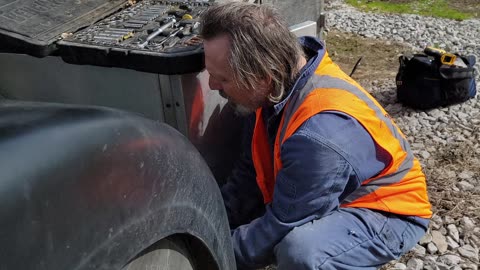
{"x": 327, "y": 180}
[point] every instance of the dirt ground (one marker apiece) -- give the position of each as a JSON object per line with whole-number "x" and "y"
{"x": 379, "y": 58}
{"x": 380, "y": 63}
{"x": 470, "y": 6}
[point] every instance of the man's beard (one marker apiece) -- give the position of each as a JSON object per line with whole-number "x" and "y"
{"x": 242, "y": 110}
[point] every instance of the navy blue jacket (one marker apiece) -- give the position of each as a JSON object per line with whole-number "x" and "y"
{"x": 327, "y": 158}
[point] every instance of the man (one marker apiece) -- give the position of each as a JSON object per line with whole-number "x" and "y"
{"x": 327, "y": 180}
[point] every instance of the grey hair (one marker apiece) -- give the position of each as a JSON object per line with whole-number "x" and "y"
{"x": 262, "y": 47}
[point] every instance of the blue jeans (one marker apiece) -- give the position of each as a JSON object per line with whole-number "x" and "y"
{"x": 349, "y": 238}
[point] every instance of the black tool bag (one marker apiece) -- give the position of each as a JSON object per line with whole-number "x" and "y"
{"x": 423, "y": 82}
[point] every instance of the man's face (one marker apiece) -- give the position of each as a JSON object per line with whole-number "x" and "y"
{"x": 217, "y": 52}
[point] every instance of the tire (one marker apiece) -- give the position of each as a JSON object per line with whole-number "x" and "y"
{"x": 168, "y": 254}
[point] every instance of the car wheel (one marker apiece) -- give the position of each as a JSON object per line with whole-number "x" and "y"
{"x": 168, "y": 254}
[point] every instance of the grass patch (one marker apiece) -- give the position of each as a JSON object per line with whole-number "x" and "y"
{"x": 434, "y": 8}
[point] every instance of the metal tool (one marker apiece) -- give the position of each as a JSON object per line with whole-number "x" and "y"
{"x": 117, "y": 32}
{"x": 158, "y": 32}
{"x": 133, "y": 25}
{"x": 445, "y": 58}
{"x": 171, "y": 42}
{"x": 171, "y": 36}
{"x": 138, "y": 21}
{"x": 109, "y": 35}
{"x": 104, "y": 39}
{"x": 123, "y": 30}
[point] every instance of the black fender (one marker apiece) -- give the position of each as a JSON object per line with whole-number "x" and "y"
{"x": 85, "y": 187}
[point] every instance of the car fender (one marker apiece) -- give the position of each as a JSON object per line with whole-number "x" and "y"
{"x": 86, "y": 187}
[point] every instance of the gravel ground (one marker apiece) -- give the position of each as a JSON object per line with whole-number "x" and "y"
{"x": 446, "y": 140}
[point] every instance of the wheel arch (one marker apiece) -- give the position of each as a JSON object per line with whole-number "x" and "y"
{"x": 89, "y": 188}
{"x": 197, "y": 248}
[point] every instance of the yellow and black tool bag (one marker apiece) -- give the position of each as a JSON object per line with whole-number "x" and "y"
{"x": 431, "y": 80}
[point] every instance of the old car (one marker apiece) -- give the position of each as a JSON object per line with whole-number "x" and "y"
{"x": 112, "y": 146}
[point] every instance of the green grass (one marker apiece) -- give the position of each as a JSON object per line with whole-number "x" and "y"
{"x": 434, "y": 8}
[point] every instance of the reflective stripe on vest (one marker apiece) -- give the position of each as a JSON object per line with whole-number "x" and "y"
{"x": 400, "y": 188}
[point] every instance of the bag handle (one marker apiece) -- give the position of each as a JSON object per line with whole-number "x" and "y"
{"x": 471, "y": 60}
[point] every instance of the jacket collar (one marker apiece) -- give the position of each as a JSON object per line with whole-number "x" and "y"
{"x": 314, "y": 51}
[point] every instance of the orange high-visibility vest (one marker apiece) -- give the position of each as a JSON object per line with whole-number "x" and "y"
{"x": 400, "y": 188}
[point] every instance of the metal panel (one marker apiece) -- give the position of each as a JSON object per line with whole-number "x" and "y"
{"x": 183, "y": 101}
{"x": 298, "y": 11}
{"x": 178, "y": 103}
{"x": 167, "y": 100}
{"x": 49, "y": 79}
{"x": 308, "y": 28}
{"x": 213, "y": 127}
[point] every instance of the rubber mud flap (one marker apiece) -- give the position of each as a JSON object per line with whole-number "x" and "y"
{"x": 86, "y": 187}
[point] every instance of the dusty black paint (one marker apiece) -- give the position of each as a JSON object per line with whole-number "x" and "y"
{"x": 89, "y": 188}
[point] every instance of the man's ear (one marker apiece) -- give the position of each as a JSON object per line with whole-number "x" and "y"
{"x": 266, "y": 85}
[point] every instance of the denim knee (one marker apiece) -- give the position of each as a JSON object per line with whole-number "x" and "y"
{"x": 297, "y": 251}
{"x": 402, "y": 234}
{"x": 351, "y": 238}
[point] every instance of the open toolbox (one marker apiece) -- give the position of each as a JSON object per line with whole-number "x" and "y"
{"x": 150, "y": 35}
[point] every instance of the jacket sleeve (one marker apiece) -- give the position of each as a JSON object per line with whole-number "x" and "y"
{"x": 325, "y": 160}
{"x": 241, "y": 195}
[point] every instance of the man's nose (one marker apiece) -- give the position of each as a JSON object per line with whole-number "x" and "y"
{"x": 214, "y": 84}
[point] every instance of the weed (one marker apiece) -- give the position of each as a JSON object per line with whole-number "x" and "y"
{"x": 433, "y": 8}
